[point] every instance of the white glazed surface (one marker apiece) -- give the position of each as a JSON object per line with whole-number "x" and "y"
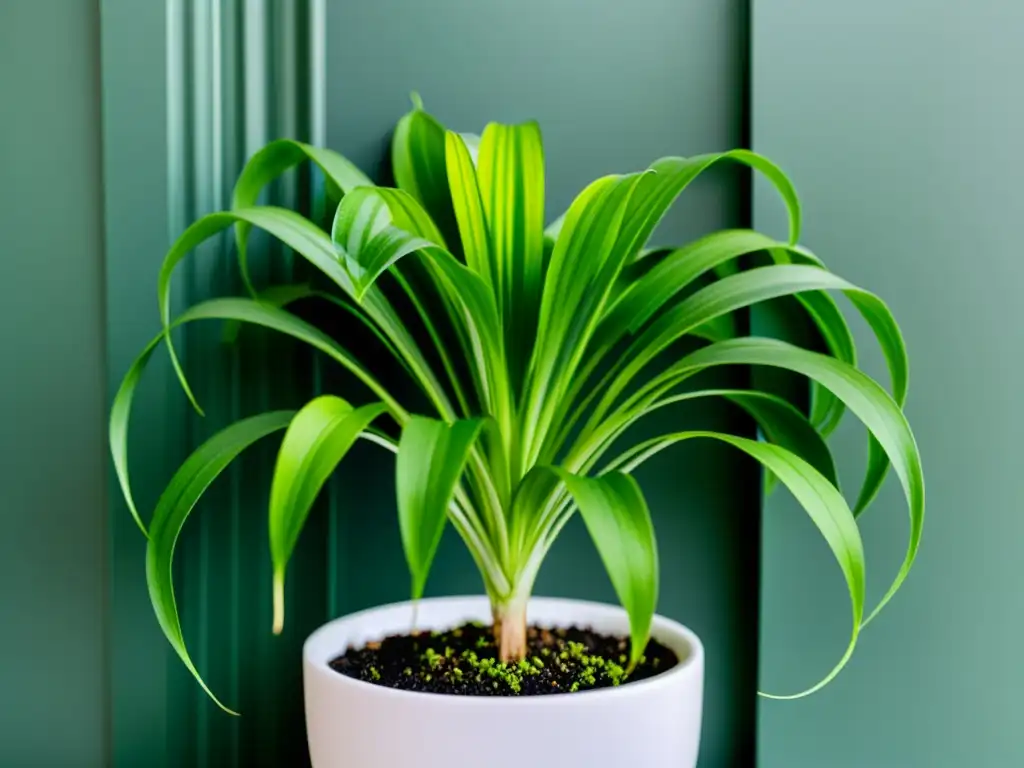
{"x": 654, "y": 723}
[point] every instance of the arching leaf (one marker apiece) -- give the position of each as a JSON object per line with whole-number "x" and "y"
{"x": 432, "y": 456}
{"x": 862, "y": 395}
{"x": 819, "y": 498}
{"x": 616, "y": 515}
{"x": 316, "y": 441}
{"x": 173, "y": 508}
{"x": 418, "y": 161}
{"x": 272, "y": 161}
{"x": 241, "y": 311}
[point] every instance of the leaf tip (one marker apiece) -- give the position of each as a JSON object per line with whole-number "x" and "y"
{"x": 278, "y": 602}
{"x": 636, "y": 653}
{"x": 417, "y": 102}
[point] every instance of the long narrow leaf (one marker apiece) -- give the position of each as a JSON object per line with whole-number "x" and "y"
{"x": 674, "y": 174}
{"x": 510, "y": 173}
{"x": 418, "y": 161}
{"x": 173, "y": 508}
{"x": 317, "y": 439}
{"x": 274, "y": 295}
{"x": 732, "y": 293}
{"x": 819, "y": 498}
{"x": 585, "y": 264}
{"x": 616, "y": 515}
{"x": 237, "y": 310}
{"x": 862, "y": 395}
{"x": 314, "y": 245}
{"x": 781, "y": 423}
{"x": 469, "y": 211}
{"x": 363, "y": 233}
{"x": 272, "y": 161}
{"x": 431, "y": 458}
{"x": 471, "y": 303}
{"x": 653, "y": 290}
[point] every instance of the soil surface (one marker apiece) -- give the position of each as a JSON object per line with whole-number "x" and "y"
{"x": 464, "y": 661}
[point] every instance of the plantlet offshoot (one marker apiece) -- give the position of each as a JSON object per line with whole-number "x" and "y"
{"x": 532, "y": 350}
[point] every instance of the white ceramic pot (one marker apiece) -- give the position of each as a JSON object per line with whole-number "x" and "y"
{"x": 652, "y": 723}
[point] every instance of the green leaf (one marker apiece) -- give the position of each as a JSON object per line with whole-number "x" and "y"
{"x": 363, "y": 233}
{"x": 510, "y": 173}
{"x": 785, "y": 426}
{"x": 585, "y": 264}
{"x": 409, "y": 215}
{"x": 619, "y": 522}
{"x": 469, "y": 211}
{"x": 474, "y": 312}
{"x": 862, "y": 395}
{"x": 173, "y": 508}
{"x": 826, "y": 409}
{"x": 418, "y": 161}
{"x": 819, "y": 498}
{"x": 735, "y": 292}
{"x": 238, "y": 310}
{"x": 117, "y": 429}
{"x": 673, "y": 272}
{"x": 657, "y": 286}
{"x": 316, "y": 441}
{"x": 781, "y": 423}
{"x": 651, "y": 282}
{"x": 316, "y": 247}
{"x": 431, "y": 458}
{"x": 275, "y": 296}
{"x": 272, "y": 161}
{"x": 533, "y": 503}
{"x": 674, "y": 174}
{"x": 727, "y": 295}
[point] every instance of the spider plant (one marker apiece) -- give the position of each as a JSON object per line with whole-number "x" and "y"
{"x": 532, "y": 351}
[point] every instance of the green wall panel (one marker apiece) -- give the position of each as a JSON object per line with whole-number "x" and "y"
{"x": 52, "y": 490}
{"x": 614, "y": 86}
{"x": 191, "y": 88}
{"x": 897, "y": 120}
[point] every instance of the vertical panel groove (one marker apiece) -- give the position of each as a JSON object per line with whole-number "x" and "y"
{"x": 231, "y": 75}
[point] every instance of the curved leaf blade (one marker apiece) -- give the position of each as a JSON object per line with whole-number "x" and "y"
{"x": 587, "y": 259}
{"x": 317, "y": 439}
{"x": 234, "y": 310}
{"x": 674, "y": 174}
{"x": 474, "y": 310}
{"x": 173, "y": 509}
{"x": 652, "y": 290}
{"x": 867, "y": 399}
{"x": 619, "y": 522}
{"x": 432, "y": 456}
{"x": 367, "y": 241}
{"x": 510, "y": 174}
{"x": 276, "y": 296}
{"x": 745, "y": 289}
{"x": 469, "y": 210}
{"x": 315, "y": 246}
{"x": 782, "y": 425}
{"x": 273, "y": 160}
{"x": 418, "y": 161}
{"x": 820, "y": 500}
{"x": 117, "y": 428}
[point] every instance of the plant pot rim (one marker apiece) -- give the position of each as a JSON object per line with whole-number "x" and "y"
{"x": 330, "y": 641}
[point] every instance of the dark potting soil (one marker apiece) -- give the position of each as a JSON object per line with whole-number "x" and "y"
{"x": 464, "y": 661}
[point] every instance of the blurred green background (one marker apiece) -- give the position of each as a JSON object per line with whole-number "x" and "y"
{"x": 122, "y": 120}
{"x": 898, "y": 121}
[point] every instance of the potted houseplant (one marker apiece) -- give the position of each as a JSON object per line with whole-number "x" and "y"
{"x": 534, "y": 349}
